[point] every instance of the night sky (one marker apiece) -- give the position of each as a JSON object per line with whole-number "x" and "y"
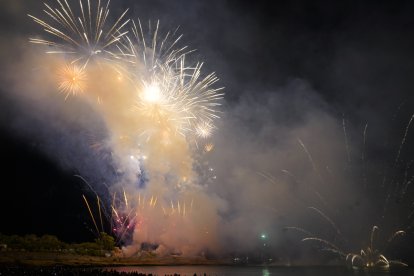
{"x": 289, "y": 68}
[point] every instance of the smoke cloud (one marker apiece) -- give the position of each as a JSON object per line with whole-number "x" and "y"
{"x": 278, "y": 150}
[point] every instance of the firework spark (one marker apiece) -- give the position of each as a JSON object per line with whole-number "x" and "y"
{"x": 91, "y": 214}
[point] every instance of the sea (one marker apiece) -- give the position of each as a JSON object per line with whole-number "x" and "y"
{"x": 257, "y": 270}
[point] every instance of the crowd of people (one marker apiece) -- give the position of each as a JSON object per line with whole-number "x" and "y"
{"x": 70, "y": 271}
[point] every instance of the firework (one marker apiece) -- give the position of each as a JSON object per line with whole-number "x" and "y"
{"x": 208, "y": 147}
{"x": 373, "y": 255}
{"x": 144, "y": 84}
{"x": 126, "y": 216}
{"x": 370, "y": 257}
{"x": 80, "y": 33}
{"x": 72, "y": 80}
{"x": 168, "y": 88}
{"x": 204, "y": 129}
{"x": 373, "y": 258}
{"x": 91, "y": 214}
{"x": 123, "y": 217}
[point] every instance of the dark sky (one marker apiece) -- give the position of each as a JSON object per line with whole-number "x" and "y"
{"x": 356, "y": 57}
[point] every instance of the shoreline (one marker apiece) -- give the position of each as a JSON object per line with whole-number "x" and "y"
{"x": 48, "y": 258}
{"x": 70, "y": 259}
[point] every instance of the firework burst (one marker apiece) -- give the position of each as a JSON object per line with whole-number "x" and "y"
{"x": 204, "y": 129}
{"x": 80, "y": 33}
{"x": 72, "y": 80}
{"x": 372, "y": 257}
{"x": 208, "y": 147}
{"x": 168, "y": 88}
{"x": 395, "y": 212}
{"x": 369, "y": 258}
{"x": 128, "y": 214}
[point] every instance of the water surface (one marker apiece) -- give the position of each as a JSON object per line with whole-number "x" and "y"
{"x": 255, "y": 270}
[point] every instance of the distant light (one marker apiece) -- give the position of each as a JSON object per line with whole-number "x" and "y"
{"x": 263, "y": 236}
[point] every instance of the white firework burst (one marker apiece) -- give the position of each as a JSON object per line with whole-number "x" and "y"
{"x": 167, "y": 85}
{"x": 80, "y": 33}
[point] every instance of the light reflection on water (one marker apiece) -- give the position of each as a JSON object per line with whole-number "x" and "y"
{"x": 254, "y": 270}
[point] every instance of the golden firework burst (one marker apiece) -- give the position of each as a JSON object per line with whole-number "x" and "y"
{"x": 72, "y": 80}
